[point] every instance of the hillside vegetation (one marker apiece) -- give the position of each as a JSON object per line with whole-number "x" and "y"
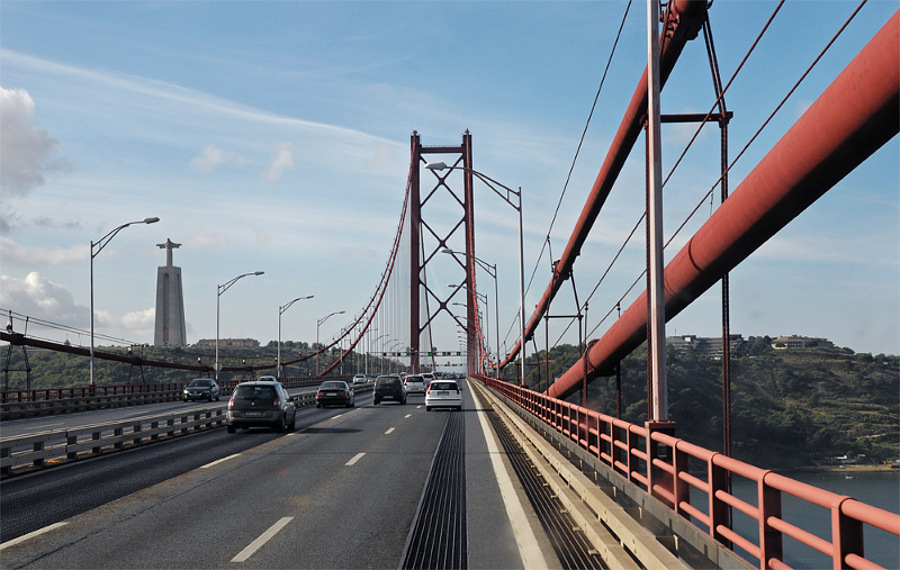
{"x": 789, "y": 408}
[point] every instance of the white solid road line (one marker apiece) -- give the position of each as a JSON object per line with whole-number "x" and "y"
{"x": 531, "y": 554}
{"x": 31, "y": 535}
{"x": 390, "y": 431}
{"x": 264, "y": 538}
{"x": 356, "y": 458}
{"x": 217, "y": 461}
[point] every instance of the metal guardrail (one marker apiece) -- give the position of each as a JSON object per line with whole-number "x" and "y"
{"x": 17, "y": 404}
{"x": 44, "y": 449}
{"x": 53, "y": 447}
{"x": 669, "y": 468}
{"x": 80, "y": 403}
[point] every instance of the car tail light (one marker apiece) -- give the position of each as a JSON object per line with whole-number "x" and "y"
{"x": 319, "y": 394}
{"x": 231, "y": 403}
{"x": 277, "y": 402}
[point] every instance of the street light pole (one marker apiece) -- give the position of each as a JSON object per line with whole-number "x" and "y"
{"x": 319, "y": 324}
{"x": 99, "y": 245}
{"x": 281, "y": 311}
{"x": 219, "y": 290}
{"x": 492, "y": 271}
{"x": 496, "y": 320}
{"x": 381, "y": 359}
{"x": 490, "y": 182}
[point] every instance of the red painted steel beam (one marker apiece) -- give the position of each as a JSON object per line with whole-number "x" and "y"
{"x": 854, "y": 117}
{"x": 683, "y": 21}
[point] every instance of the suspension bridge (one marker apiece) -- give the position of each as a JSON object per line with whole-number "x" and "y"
{"x": 433, "y": 265}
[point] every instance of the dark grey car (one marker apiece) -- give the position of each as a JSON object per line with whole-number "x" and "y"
{"x": 389, "y": 387}
{"x": 260, "y": 404}
{"x": 335, "y": 392}
{"x": 201, "y": 389}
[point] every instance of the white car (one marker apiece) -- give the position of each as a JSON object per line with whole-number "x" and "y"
{"x": 414, "y": 383}
{"x": 428, "y": 377}
{"x": 443, "y": 394}
{"x": 360, "y": 379}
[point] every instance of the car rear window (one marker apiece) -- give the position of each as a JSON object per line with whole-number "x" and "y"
{"x": 255, "y": 393}
{"x": 443, "y": 385}
{"x": 414, "y": 379}
{"x": 387, "y": 381}
{"x": 200, "y": 383}
{"x": 332, "y": 386}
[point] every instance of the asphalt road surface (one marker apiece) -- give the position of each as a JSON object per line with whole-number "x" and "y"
{"x": 339, "y": 492}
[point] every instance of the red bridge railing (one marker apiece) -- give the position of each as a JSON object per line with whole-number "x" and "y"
{"x": 669, "y": 468}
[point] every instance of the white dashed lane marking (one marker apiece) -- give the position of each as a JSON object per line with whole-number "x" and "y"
{"x": 356, "y": 458}
{"x": 264, "y": 538}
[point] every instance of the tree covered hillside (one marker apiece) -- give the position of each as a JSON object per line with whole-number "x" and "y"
{"x": 789, "y": 408}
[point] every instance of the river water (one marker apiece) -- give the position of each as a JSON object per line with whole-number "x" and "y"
{"x": 877, "y": 488}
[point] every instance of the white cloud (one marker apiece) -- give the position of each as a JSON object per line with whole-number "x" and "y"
{"x": 16, "y": 255}
{"x": 37, "y": 296}
{"x": 140, "y": 323}
{"x": 212, "y": 156}
{"x": 284, "y": 159}
{"x": 27, "y": 153}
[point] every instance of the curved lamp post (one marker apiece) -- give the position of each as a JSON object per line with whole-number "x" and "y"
{"x": 380, "y": 358}
{"x": 319, "y": 324}
{"x": 492, "y": 271}
{"x": 496, "y": 318}
{"x": 491, "y": 183}
{"x": 219, "y": 290}
{"x": 98, "y": 246}
{"x": 281, "y": 311}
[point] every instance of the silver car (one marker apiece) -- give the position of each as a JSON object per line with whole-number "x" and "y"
{"x": 414, "y": 383}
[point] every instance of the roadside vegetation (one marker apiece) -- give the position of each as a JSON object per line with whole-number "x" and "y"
{"x": 789, "y": 408}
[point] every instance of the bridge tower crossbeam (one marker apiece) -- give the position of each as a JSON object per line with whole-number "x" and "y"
{"x": 420, "y": 257}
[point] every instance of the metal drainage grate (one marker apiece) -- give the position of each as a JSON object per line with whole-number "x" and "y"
{"x": 571, "y": 546}
{"x": 438, "y": 536}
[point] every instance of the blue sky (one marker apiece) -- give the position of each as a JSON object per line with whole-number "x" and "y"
{"x": 274, "y": 136}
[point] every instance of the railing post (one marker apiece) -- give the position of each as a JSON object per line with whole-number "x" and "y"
{"x": 655, "y": 450}
{"x": 682, "y": 489}
{"x": 771, "y": 544}
{"x": 719, "y": 511}
{"x": 847, "y": 533}
{"x": 632, "y": 441}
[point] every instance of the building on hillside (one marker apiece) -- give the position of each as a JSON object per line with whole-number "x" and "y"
{"x": 795, "y": 342}
{"x": 707, "y": 347}
{"x": 242, "y": 342}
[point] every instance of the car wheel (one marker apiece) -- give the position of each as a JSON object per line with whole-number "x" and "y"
{"x": 230, "y": 429}
{"x": 318, "y": 405}
{"x": 458, "y": 408}
{"x": 210, "y": 396}
{"x": 427, "y": 408}
{"x": 376, "y": 402}
{"x": 282, "y": 425}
